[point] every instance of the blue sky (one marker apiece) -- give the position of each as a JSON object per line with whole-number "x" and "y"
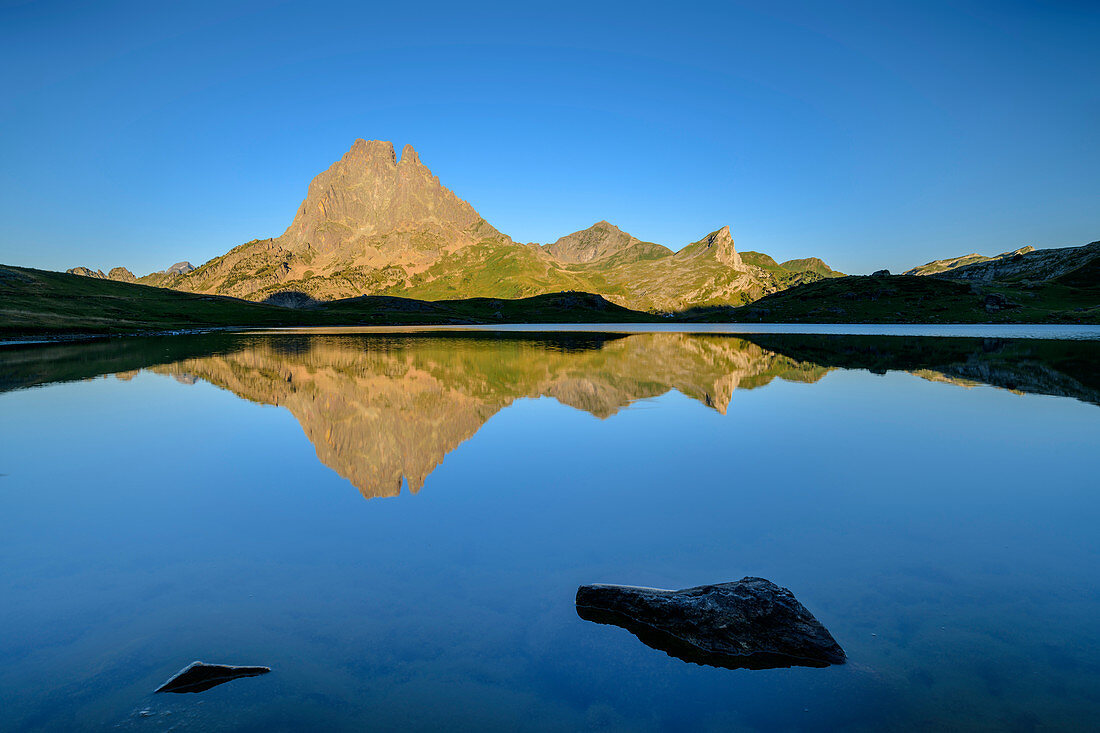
{"x": 872, "y": 134}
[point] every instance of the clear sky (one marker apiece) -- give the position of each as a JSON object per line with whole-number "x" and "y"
{"x": 873, "y": 134}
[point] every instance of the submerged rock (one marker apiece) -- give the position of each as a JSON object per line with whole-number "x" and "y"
{"x": 751, "y": 624}
{"x": 199, "y": 676}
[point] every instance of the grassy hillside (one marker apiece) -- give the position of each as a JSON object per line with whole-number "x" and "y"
{"x": 38, "y": 302}
{"x": 811, "y": 264}
{"x": 914, "y": 299}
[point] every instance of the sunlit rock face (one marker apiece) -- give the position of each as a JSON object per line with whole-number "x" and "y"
{"x": 369, "y": 193}
{"x": 384, "y": 413}
{"x": 367, "y": 223}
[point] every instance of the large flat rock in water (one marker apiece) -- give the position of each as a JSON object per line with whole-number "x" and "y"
{"x": 200, "y": 676}
{"x": 752, "y": 623}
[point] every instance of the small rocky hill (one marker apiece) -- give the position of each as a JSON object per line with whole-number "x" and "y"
{"x": 602, "y": 239}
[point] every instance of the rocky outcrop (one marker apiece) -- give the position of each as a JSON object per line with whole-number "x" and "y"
{"x": 752, "y": 623}
{"x": 86, "y": 272}
{"x": 997, "y": 302}
{"x": 718, "y": 244}
{"x": 121, "y": 274}
{"x": 199, "y": 676}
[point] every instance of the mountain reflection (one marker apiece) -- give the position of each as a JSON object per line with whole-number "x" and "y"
{"x": 382, "y": 409}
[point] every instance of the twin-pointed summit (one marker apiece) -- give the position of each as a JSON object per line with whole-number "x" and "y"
{"x": 369, "y": 193}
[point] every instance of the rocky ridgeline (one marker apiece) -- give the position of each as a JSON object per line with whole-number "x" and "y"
{"x": 373, "y": 223}
{"x": 121, "y": 274}
{"x": 1025, "y": 264}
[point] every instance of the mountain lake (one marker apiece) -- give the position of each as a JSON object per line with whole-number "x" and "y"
{"x": 396, "y": 522}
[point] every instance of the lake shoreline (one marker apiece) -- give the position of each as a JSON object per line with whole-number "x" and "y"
{"x": 1040, "y": 331}
{"x": 38, "y": 305}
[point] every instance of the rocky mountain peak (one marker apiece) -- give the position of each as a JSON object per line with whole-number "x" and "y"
{"x": 409, "y": 156}
{"x": 179, "y": 268}
{"x": 362, "y": 150}
{"x": 720, "y": 238}
{"x": 600, "y": 240}
{"x": 718, "y": 244}
{"x": 367, "y": 196}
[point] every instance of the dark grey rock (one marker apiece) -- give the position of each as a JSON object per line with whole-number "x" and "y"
{"x": 880, "y": 273}
{"x": 752, "y": 623}
{"x": 199, "y": 676}
{"x": 996, "y": 302}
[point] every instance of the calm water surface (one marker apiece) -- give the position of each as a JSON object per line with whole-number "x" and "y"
{"x": 397, "y": 524}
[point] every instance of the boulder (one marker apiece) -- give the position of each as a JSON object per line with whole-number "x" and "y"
{"x": 752, "y": 623}
{"x": 996, "y": 302}
{"x": 199, "y": 676}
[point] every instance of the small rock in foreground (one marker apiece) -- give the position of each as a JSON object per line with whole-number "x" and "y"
{"x": 199, "y": 676}
{"x": 751, "y": 624}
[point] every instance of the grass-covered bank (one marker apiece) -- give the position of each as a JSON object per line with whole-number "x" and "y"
{"x": 917, "y": 299}
{"x": 37, "y": 303}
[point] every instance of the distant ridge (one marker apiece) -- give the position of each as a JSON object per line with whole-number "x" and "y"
{"x": 121, "y": 274}
{"x": 1024, "y": 264}
{"x": 937, "y": 267}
